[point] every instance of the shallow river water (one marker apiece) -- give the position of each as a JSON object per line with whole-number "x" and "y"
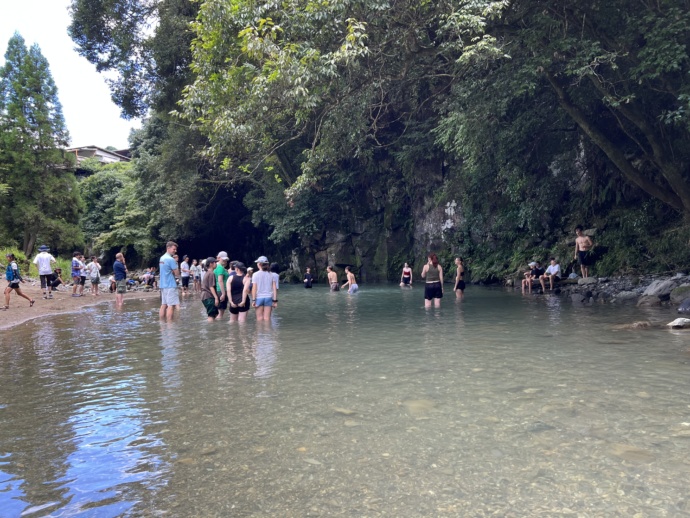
{"x": 364, "y": 405}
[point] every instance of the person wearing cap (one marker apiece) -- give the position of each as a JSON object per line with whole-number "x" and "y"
{"x": 221, "y": 275}
{"x": 264, "y": 291}
{"x": 45, "y": 261}
{"x": 530, "y": 276}
{"x": 170, "y": 298}
{"x": 237, "y": 289}
{"x": 209, "y": 295}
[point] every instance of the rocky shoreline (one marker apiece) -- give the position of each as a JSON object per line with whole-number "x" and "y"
{"x": 642, "y": 290}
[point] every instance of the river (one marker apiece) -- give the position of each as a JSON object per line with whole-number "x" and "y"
{"x": 364, "y": 405}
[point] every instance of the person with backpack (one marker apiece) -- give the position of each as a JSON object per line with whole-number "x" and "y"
{"x": 13, "y": 276}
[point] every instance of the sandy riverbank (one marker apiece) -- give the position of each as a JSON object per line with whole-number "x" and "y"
{"x": 62, "y": 302}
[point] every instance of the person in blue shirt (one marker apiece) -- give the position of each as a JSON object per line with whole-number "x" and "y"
{"x": 120, "y": 275}
{"x": 170, "y": 298}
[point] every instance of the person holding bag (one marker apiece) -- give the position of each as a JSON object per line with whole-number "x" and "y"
{"x": 94, "y": 270}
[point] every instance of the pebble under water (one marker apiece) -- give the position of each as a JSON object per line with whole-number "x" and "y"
{"x": 364, "y": 405}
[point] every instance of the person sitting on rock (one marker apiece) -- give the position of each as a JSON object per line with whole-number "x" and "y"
{"x": 553, "y": 273}
{"x": 529, "y": 276}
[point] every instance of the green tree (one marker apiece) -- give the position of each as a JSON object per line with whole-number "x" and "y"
{"x": 45, "y": 201}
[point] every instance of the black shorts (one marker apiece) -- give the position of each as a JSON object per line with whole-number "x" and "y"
{"x": 14, "y": 285}
{"x": 45, "y": 280}
{"x": 585, "y": 258}
{"x": 54, "y": 284}
{"x": 460, "y": 285}
{"x": 406, "y": 280}
{"x": 185, "y": 282}
{"x": 82, "y": 281}
{"x": 240, "y": 309}
{"x": 433, "y": 290}
{"x": 223, "y": 304}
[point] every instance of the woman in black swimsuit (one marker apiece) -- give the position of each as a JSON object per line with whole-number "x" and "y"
{"x": 459, "y": 278}
{"x": 238, "y": 287}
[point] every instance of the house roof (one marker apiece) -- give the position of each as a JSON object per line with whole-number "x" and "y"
{"x": 119, "y": 155}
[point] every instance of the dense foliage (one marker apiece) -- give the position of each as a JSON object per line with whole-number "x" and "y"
{"x": 331, "y": 118}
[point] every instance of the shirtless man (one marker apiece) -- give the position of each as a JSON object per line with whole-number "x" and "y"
{"x": 583, "y": 244}
{"x": 333, "y": 279}
{"x": 351, "y": 282}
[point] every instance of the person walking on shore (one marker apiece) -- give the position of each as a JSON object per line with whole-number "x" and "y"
{"x": 170, "y": 298}
{"x": 76, "y": 273}
{"x": 264, "y": 291}
{"x": 44, "y": 262}
{"x": 459, "y": 278}
{"x": 94, "y": 269}
{"x": 351, "y": 282}
{"x": 13, "y": 277}
{"x": 433, "y": 274}
{"x": 120, "y": 278}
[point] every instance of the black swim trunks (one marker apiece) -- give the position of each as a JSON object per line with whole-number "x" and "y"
{"x": 585, "y": 258}
{"x": 460, "y": 285}
{"x": 433, "y": 290}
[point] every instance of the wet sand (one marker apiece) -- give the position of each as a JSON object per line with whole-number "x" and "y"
{"x": 62, "y": 302}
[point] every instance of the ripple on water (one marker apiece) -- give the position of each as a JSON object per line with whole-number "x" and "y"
{"x": 361, "y": 405}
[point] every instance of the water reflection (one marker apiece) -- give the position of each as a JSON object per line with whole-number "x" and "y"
{"x": 363, "y": 405}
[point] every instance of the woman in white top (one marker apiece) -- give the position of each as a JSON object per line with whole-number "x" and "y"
{"x": 195, "y": 271}
{"x": 264, "y": 290}
{"x": 94, "y": 271}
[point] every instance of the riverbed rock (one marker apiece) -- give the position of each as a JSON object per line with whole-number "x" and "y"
{"x": 679, "y": 323}
{"x": 660, "y": 287}
{"x": 626, "y": 297}
{"x": 578, "y": 298}
{"x": 648, "y": 301}
{"x": 587, "y": 281}
{"x": 684, "y": 306}
{"x": 643, "y": 324}
{"x": 680, "y": 293}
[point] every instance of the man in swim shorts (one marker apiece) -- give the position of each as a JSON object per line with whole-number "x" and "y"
{"x": 170, "y": 298}
{"x": 333, "y": 279}
{"x": 351, "y": 282}
{"x": 583, "y": 251}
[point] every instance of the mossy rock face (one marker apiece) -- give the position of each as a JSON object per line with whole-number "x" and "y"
{"x": 680, "y": 293}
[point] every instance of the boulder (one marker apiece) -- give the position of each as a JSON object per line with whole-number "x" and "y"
{"x": 680, "y": 293}
{"x": 684, "y": 306}
{"x": 679, "y": 323}
{"x": 587, "y": 281}
{"x": 648, "y": 301}
{"x": 578, "y": 298}
{"x": 660, "y": 287}
{"x": 626, "y": 297}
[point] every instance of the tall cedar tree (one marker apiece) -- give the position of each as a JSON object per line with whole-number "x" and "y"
{"x": 44, "y": 201}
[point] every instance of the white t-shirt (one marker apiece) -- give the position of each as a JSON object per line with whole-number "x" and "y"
{"x": 264, "y": 284}
{"x": 554, "y": 269}
{"x": 184, "y": 269}
{"x": 82, "y": 272}
{"x": 94, "y": 269}
{"x": 276, "y": 278}
{"x": 44, "y": 262}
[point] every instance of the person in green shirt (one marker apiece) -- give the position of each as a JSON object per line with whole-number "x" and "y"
{"x": 221, "y": 275}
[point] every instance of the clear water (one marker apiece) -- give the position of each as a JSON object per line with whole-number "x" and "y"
{"x": 365, "y": 405}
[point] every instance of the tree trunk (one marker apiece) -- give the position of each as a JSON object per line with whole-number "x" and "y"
{"x": 663, "y": 193}
{"x": 29, "y": 243}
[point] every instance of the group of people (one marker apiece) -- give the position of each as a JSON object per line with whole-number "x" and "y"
{"x": 432, "y": 273}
